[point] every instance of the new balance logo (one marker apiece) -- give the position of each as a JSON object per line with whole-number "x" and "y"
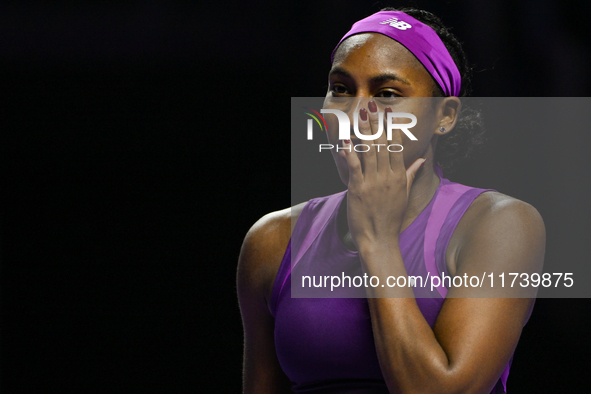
{"x": 394, "y": 22}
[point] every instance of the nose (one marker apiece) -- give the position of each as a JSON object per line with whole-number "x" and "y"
{"x": 358, "y": 103}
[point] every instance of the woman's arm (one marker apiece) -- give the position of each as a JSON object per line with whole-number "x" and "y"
{"x": 473, "y": 338}
{"x": 260, "y": 257}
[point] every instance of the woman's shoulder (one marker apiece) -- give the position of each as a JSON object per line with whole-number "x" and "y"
{"x": 495, "y": 206}
{"x": 263, "y": 249}
{"x": 497, "y": 221}
{"x": 496, "y": 212}
{"x": 275, "y": 226}
{"x": 488, "y": 209}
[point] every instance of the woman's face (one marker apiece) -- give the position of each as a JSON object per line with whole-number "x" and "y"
{"x": 371, "y": 66}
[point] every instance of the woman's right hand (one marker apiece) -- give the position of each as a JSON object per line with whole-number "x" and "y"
{"x": 379, "y": 185}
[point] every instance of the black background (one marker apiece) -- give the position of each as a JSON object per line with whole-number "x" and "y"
{"x": 142, "y": 140}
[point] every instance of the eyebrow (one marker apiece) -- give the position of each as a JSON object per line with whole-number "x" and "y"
{"x": 374, "y": 80}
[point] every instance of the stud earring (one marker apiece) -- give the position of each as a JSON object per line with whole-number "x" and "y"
{"x": 442, "y": 129}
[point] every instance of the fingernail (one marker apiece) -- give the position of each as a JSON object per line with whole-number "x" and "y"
{"x": 422, "y": 164}
{"x": 388, "y": 109}
{"x": 373, "y": 108}
{"x": 363, "y": 114}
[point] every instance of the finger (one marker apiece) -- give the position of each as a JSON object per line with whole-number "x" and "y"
{"x": 379, "y": 144}
{"x": 367, "y": 158}
{"x": 395, "y": 144}
{"x": 411, "y": 172}
{"x": 354, "y": 164}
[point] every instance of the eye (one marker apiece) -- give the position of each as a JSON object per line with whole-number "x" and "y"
{"x": 339, "y": 89}
{"x": 387, "y": 94}
{"x": 387, "y": 97}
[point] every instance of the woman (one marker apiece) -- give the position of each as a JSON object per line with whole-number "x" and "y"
{"x": 398, "y": 210}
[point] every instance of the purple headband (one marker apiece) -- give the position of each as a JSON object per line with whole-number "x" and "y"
{"x": 421, "y": 40}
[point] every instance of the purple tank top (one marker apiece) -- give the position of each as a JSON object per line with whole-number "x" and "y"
{"x": 326, "y": 345}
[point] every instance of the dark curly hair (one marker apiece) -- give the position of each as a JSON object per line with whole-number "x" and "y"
{"x": 469, "y": 130}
